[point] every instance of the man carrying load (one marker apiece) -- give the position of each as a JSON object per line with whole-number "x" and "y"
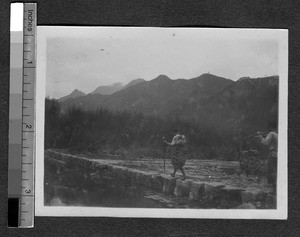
{"x": 178, "y": 154}
{"x": 271, "y": 140}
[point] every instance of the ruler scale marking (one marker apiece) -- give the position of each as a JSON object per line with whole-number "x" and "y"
{"x": 21, "y": 189}
{"x": 15, "y": 101}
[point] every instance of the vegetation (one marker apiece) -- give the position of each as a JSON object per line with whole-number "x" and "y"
{"x": 130, "y": 134}
{"x": 215, "y": 114}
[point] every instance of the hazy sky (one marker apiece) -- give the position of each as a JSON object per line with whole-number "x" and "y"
{"x": 85, "y": 58}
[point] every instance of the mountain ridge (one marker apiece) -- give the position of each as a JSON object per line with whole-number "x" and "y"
{"x": 222, "y": 103}
{"x": 160, "y": 90}
{"x": 108, "y": 90}
{"x": 74, "y": 94}
{"x": 133, "y": 83}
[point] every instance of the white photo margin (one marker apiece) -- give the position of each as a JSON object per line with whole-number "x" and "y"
{"x": 281, "y": 35}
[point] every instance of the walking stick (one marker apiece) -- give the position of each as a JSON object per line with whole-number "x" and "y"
{"x": 164, "y": 154}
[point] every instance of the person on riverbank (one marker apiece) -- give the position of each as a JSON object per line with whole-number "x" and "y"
{"x": 271, "y": 140}
{"x": 178, "y": 152}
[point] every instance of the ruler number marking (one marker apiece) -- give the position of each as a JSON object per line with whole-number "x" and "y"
{"x": 29, "y": 126}
{"x": 26, "y": 213}
{"x": 27, "y": 191}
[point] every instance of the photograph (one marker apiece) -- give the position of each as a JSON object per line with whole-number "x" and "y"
{"x": 161, "y": 122}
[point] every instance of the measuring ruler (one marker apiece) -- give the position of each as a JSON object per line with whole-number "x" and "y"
{"x": 21, "y": 154}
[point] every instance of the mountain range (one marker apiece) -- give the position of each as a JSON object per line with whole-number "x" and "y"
{"x": 108, "y": 90}
{"x": 247, "y": 104}
{"x": 103, "y": 90}
{"x": 76, "y": 93}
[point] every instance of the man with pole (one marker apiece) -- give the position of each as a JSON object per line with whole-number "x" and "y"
{"x": 178, "y": 156}
{"x": 271, "y": 140}
{"x": 164, "y": 153}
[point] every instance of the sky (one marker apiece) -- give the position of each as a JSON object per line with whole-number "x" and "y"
{"x": 85, "y": 58}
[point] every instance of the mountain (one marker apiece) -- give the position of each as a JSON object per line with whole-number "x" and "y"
{"x": 160, "y": 96}
{"x": 88, "y": 102}
{"x": 246, "y": 106}
{"x": 242, "y": 107}
{"x": 76, "y": 93}
{"x": 133, "y": 83}
{"x": 250, "y": 102}
{"x": 165, "y": 97}
{"x": 108, "y": 90}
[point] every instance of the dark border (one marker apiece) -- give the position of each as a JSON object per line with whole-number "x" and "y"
{"x": 209, "y": 13}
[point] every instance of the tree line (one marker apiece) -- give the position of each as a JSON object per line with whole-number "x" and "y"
{"x": 120, "y": 132}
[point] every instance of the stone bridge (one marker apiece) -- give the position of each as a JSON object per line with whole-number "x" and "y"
{"x": 214, "y": 182}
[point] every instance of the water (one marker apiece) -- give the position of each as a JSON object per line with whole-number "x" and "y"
{"x": 104, "y": 195}
{"x": 73, "y": 187}
{"x": 111, "y": 196}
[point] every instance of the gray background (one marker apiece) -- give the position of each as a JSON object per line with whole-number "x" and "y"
{"x": 221, "y": 13}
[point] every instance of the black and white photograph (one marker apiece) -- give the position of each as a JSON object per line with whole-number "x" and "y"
{"x": 161, "y": 122}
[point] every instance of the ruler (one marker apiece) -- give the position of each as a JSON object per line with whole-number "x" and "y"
{"x": 21, "y": 155}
